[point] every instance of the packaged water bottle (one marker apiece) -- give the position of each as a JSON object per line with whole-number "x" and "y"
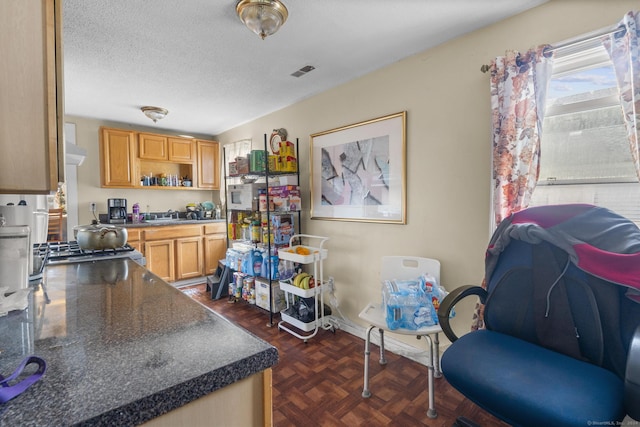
{"x": 394, "y": 312}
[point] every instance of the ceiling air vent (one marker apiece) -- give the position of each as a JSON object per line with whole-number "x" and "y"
{"x": 304, "y": 70}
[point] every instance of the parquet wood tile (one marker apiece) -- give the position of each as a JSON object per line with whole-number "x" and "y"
{"x": 320, "y": 383}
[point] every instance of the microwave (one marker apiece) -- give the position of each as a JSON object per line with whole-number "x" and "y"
{"x": 244, "y": 196}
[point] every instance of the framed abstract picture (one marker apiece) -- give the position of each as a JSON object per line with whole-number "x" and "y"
{"x": 358, "y": 172}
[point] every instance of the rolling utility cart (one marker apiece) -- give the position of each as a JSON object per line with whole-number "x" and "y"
{"x": 301, "y": 254}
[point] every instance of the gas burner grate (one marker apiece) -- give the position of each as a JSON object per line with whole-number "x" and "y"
{"x": 65, "y": 250}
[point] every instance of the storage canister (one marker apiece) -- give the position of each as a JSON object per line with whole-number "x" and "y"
{"x": 255, "y": 231}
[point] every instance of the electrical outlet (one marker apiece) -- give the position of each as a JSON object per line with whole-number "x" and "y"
{"x": 92, "y": 207}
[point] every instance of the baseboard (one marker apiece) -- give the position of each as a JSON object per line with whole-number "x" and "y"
{"x": 188, "y": 282}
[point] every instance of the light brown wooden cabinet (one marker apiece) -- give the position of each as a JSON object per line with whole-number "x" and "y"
{"x": 181, "y": 150}
{"x": 125, "y": 156}
{"x": 163, "y": 147}
{"x": 189, "y": 258}
{"x": 31, "y": 118}
{"x": 160, "y": 256}
{"x": 208, "y": 164}
{"x": 174, "y": 252}
{"x": 215, "y": 246}
{"x": 118, "y": 155}
{"x": 152, "y": 147}
{"x": 134, "y": 239}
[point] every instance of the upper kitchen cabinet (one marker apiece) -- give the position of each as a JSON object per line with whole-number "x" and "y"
{"x": 31, "y": 105}
{"x": 152, "y": 147}
{"x": 208, "y": 164}
{"x": 117, "y": 157}
{"x": 162, "y": 147}
{"x": 181, "y": 150}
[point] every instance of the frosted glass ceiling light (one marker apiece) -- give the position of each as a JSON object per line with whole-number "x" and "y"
{"x": 263, "y": 17}
{"x": 154, "y": 113}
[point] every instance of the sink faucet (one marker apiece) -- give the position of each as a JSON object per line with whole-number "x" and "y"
{"x": 170, "y": 213}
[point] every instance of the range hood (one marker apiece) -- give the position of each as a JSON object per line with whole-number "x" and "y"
{"x": 74, "y": 155}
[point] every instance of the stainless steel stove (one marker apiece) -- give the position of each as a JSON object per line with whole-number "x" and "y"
{"x": 54, "y": 253}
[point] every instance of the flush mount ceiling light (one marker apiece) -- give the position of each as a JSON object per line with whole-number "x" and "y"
{"x": 263, "y": 17}
{"x": 154, "y": 113}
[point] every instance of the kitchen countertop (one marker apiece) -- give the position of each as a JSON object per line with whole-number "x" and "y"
{"x": 122, "y": 347}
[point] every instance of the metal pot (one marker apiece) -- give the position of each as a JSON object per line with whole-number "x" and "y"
{"x": 97, "y": 237}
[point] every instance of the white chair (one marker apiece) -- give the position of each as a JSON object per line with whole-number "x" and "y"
{"x": 403, "y": 268}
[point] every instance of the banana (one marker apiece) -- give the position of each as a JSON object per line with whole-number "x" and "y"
{"x": 305, "y": 282}
{"x": 298, "y": 279}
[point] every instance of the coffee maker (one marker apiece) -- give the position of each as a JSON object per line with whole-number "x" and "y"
{"x": 117, "y": 211}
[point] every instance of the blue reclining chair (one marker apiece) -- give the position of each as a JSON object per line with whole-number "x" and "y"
{"x": 561, "y": 338}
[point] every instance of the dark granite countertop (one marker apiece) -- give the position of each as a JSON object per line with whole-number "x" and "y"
{"x": 121, "y": 346}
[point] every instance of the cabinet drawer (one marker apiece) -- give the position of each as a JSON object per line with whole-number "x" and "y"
{"x": 219, "y": 227}
{"x": 169, "y": 232}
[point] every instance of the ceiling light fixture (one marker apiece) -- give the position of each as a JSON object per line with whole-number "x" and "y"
{"x": 263, "y": 17}
{"x": 155, "y": 113}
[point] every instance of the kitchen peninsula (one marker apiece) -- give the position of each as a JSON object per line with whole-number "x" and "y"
{"x": 125, "y": 348}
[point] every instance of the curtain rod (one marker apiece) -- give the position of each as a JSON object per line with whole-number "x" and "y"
{"x": 589, "y": 37}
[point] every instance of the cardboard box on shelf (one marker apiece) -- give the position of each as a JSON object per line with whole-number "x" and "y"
{"x": 242, "y": 165}
{"x": 282, "y": 228}
{"x": 273, "y": 163}
{"x": 287, "y": 164}
{"x": 287, "y": 149}
{"x": 278, "y": 301}
{"x": 233, "y": 169}
{"x": 257, "y": 161}
{"x": 285, "y": 198}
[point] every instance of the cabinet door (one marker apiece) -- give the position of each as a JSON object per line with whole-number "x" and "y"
{"x": 152, "y": 147}
{"x": 31, "y": 111}
{"x": 134, "y": 239}
{"x": 215, "y": 249}
{"x": 181, "y": 150}
{"x": 208, "y": 165}
{"x": 117, "y": 158}
{"x": 160, "y": 255}
{"x": 189, "y": 258}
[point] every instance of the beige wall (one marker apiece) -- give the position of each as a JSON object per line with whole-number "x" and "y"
{"x": 448, "y": 148}
{"x": 89, "y": 190}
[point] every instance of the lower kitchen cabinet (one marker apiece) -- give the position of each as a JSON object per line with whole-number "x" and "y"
{"x": 189, "y": 258}
{"x": 181, "y": 252}
{"x": 215, "y": 246}
{"x": 133, "y": 239}
{"x": 160, "y": 255}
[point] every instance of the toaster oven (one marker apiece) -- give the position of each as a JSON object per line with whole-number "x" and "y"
{"x": 244, "y": 196}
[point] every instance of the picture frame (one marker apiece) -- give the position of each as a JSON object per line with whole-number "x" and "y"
{"x": 358, "y": 172}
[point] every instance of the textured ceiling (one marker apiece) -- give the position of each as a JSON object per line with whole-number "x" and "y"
{"x": 196, "y": 59}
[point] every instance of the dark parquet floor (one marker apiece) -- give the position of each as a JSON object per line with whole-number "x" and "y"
{"x": 319, "y": 383}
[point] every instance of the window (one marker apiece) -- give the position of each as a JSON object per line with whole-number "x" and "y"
{"x": 585, "y": 155}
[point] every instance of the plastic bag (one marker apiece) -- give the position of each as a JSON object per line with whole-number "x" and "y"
{"x": 412, "y": 304}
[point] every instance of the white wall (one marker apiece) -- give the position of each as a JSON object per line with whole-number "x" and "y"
{"x": 448, "y": 148}
{"x": 89, "y": 190}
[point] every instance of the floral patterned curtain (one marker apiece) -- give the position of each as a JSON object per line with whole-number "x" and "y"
{"x": 624, "y": 50}
{"x": 518, "y": 91}
{"x": 519, "y": 84}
